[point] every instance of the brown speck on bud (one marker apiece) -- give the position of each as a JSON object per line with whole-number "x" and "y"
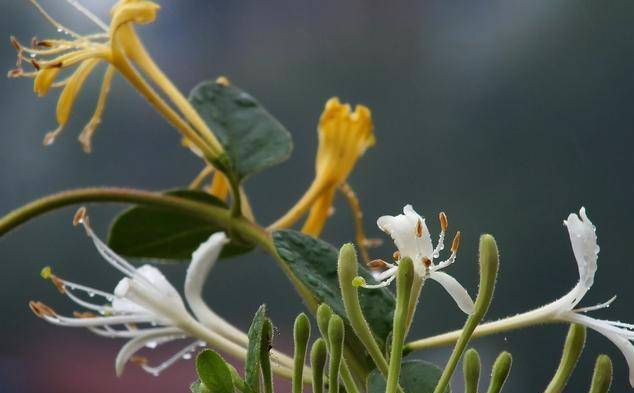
{"x": 396, "y": 255}
{"x": 456, "y": 242}
{"x": 80, "y": 216}
{"x": 443, "y": 221}
{"x": 139, "y": 360}
{"x": 377, "y": 264}
{"x": 223, "y": 81}
{"x": 419, "y": 228}
{"x": 15, "y": 43}
{"x": 58, "y": 284}
{"x": 85, "y": 314}
{"x": 426, "y": 261}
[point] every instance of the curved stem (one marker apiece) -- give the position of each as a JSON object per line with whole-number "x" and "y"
{"x": 216, "y": 215}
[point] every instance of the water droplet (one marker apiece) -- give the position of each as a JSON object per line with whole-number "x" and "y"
{"x": 202, "y": 344}
{"x": 59, "y": 30}
{"x": 245, "y": 100}
{"x": 91, "y": 294}
{"x": 32, "y": 55}
{"x": 151, "y": 344}
{"x": 187, "y": 356}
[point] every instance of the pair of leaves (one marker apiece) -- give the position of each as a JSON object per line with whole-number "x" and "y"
{"x": 417, "y": 376}
{"x": 252, "y": 138}
{"x": 150, "y": 232}
{"x": 217, "y": 376}
{"x": 314, "y": 263}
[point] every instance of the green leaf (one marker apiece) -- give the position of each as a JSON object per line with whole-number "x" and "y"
{"x": 256, "y": 346}
{"x": 417, "y": 376}
{"x": 150, "y": 232}
{"x": 253, "y": 139}
{"x": 214, "y": 372}
{"x": 314, "y": 262}
{"x": 198, "y": 387}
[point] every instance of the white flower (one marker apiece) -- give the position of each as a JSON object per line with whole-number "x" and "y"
{"x": 413, "y": 240}
{"x": 146, "y": 308}
{"x": 584, "y": 246}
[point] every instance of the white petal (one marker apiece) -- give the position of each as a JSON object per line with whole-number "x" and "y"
{"x": 157, "y": 280}
{"x": 584, "y": 245}
{"x": 402, "y": 229}
{"x": 203, "y": 260}
{"x": 617, "y": 335}
{"x": 132, "y": 346}
{"x": 457, "y": 291}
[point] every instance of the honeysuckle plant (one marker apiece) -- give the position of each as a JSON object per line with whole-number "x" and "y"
{"x": 363, "y": 324}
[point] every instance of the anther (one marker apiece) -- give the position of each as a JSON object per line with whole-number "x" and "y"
{"x": 358, "y": 281}
{"x": 223, "y": 81}
{"x": 35, "y": 64}
{"x": 15, "y": 73}
{"x": 377, "y": 263}
{"x": 80, "y": 216}
{"x": 15, "y": 43}
{"x": 419, "y": 228}
{"x": 85, "y": 314}
{"x": 59, "y": 64}
{"x": 34, "y": 42}
{"x": 58, "y": 284}
{"x": 396, "y": 255}
{"x": 443, "y": 221}
{"x": 41, "y": 310}
{"x": 456, "y": 242}
{"x": 139, "y": 360}
{"x": 426, "y": 261}
{"x": 44, "y": 44}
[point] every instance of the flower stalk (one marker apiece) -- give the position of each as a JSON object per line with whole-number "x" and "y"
{"x": 489, "y": 263}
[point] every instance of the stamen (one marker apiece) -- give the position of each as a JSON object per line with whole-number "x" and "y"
{"x": 50, "y": 136}
{"x": 455, "y": 244}
{"x": 52, "y": 21}
{"x": 223, "y": 81}
{"x": 184, "y": 353}
{"x": 597, "y": 307}
{"x": 15, "y": 73}
{"x": 80, "y": 216}
{"x": 35, "y": 65}
{"x": 139, "y": 360}
{"x": 419, "y": 228}
{"x": 443, "y": 221}
{"x": 41, "y": 310}
{"x": 15, "y": 43}
{"x": 84, "y": 314}
{"x": 377, "y": 264}
{"x": 396, "y": 255}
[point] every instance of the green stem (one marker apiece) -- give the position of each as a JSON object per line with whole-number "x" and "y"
{"x": 489, "y": 261}
{"x": 575, "y": 341}
{"x": 404, "y": 282}
{"x": 213, "y": 214}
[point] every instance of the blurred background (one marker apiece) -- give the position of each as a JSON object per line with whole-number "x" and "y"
{"x": 507, "y": 115}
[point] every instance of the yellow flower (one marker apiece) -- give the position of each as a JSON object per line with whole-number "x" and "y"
{"x": 344, "y": 136}
{"x": 119, "y": 47}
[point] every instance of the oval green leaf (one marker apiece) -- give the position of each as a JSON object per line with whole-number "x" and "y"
{"x": 253, "y": 139}
{"x": 417, "y": 376}
{"x": 214, "y": 373}
{"x": 155, "y": 233}
{"x": 314, "y": 262}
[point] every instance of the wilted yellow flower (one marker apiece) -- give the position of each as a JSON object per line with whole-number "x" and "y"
{"x": 119, "y": 47}
{"x": 344, "y": 136}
